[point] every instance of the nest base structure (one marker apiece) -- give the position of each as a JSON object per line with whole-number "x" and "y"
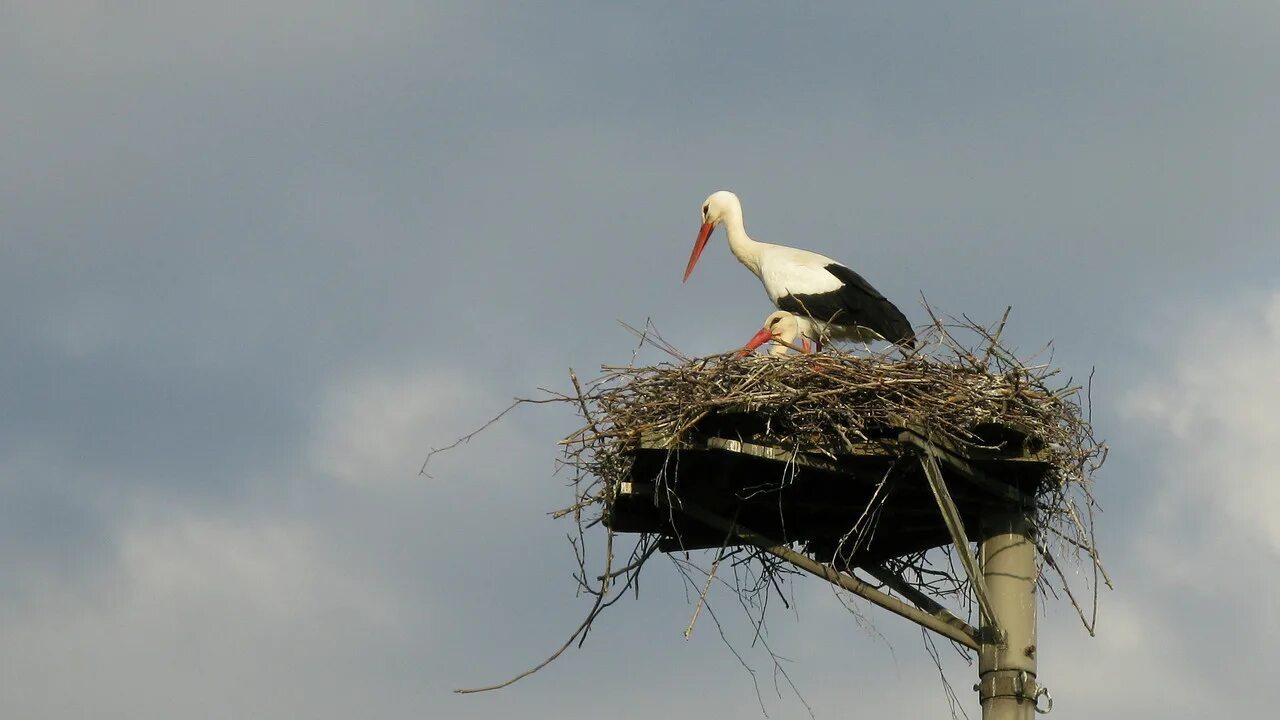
{"x": 727, "y": 466}
{"x": 719, "y": 485}
{"x": 853, "y": 469}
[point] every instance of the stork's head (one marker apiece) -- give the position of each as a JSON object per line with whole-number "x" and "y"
{"x": 718, "y": 206}
{"x": 780, "y": 326}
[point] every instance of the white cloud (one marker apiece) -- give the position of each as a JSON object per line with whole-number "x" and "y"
{"x": 198, "y": 616}
{"x": 1136, "y": 641}
{"x": 1212, "y": 417}
{"x": 1201, "y": 539}
{"x": 275, "y": 570}
{"x": 377, "y": 428}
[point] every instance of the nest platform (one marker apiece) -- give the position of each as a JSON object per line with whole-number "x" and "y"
{"x": 850, "y": 457}
{"x": 730, "y": 465}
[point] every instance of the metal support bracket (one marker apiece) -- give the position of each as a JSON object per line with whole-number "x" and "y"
{"x": 1017, "y": 684}
{"x": 919, "y": 599}
{"x": 830, "y": 574}
{"x": 951, "y": 516}
{"x": 1007, "y": 683}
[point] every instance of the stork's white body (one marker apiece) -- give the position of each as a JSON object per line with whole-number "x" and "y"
{"x": 790, "y": 272}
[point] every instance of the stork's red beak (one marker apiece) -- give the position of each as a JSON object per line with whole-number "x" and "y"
{"x": 760, "y": 338}
{"x": 698, "y": 245}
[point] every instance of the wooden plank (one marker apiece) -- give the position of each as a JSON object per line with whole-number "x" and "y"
{"x": 654, "y": 441}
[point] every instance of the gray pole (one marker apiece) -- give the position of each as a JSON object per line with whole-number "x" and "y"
{"x": 1007, "y": 666}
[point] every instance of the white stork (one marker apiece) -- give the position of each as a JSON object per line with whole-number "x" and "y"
{"x": 832, "y": 300}
{"x": 782, "y": 328}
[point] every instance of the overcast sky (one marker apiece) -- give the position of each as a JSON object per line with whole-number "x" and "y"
{"x": 257, "y": 258}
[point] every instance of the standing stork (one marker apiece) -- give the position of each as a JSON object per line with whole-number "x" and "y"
{"x": 835, "y": 301}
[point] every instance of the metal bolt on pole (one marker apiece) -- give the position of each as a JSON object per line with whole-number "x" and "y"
{"x": 1007, "y": 685}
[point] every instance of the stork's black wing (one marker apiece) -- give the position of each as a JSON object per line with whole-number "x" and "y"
{"x": 855, "y": 302}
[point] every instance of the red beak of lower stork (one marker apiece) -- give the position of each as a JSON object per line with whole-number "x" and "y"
{"x": 703, "y": 235}
{"x": 760, "y": 338}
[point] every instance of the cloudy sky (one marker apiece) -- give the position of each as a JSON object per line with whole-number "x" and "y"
{"x": 257, "y": 258}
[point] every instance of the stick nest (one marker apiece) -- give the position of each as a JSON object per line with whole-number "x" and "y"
{"x": 825, "y": 402}
{"x": 959, "y": 380}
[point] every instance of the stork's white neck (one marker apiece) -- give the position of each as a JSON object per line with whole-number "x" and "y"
{"x": 740, "y": 243}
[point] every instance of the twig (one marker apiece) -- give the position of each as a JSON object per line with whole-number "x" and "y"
{"x": 702, "y": 597}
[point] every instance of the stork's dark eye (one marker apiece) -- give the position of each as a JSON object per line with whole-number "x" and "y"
{"x": 705, "y": 208}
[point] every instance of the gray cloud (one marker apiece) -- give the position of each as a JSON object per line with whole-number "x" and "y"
{"x": 257, "y": 259}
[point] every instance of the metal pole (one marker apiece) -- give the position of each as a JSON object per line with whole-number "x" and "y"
{"x": 1007, "y": 685}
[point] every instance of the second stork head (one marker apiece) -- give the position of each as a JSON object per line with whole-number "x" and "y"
{"x": 782, "y": 328}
